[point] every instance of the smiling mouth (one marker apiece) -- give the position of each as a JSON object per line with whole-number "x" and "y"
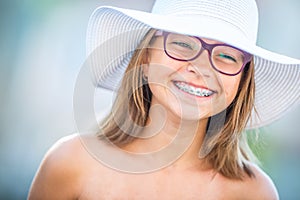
{"x": 196, "y": 91}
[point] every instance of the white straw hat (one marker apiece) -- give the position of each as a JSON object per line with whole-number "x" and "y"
{"x": 114, "y": 33}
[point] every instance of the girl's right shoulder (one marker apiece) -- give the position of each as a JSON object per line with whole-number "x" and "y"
{"x": 73, "y": 149}
{"x": 61, "y": 170}
{"x": 65, "y": 148}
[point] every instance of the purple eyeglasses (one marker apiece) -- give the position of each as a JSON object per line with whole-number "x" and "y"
{"x": 224, "y": 58}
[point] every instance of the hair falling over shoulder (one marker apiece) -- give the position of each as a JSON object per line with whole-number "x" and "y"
{"x": 225, "y": 145}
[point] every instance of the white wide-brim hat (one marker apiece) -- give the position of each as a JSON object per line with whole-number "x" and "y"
{"x": 114, "y": 33}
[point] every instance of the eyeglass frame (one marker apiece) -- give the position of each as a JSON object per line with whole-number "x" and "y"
{"x": 209, "y": 48}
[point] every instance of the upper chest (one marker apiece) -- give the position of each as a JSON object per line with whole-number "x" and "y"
{"x": 158, "y": 185}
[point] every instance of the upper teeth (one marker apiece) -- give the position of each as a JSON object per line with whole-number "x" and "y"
{"x": 193, "y": 90}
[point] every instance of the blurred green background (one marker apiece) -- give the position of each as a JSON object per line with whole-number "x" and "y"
{"x": 42, "y": 50}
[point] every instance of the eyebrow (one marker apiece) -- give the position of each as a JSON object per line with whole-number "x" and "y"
{"x": 160, "y": 33}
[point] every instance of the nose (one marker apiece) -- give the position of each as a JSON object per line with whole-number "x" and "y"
{"x": 201, "y": 65}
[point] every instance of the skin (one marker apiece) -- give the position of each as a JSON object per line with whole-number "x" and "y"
{"x": 162, "y": 70}
{"x": 69, "y": 171}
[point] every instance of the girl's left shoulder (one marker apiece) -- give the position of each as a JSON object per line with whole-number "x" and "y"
{"x": 260, "y": 186}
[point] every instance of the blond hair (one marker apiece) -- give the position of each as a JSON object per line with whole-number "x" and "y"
{"x": 223, "y": 147}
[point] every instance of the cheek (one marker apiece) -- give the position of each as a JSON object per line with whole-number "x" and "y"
{"x": 159, "y": 79}
{"x": 157, "y": 74}
{"x": 161, "y": 71}
{"x": 230, "y": 87}
{"x": 160, "y": 64}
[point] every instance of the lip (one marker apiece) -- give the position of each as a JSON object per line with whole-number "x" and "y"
{"x": 196, "y": 86}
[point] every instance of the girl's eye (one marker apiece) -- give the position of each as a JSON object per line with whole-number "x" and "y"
{"x": 222, "y": 55}
{"x": 183, "y": 44}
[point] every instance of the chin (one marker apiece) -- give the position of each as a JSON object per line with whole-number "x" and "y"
{"x": 192, "y": 114}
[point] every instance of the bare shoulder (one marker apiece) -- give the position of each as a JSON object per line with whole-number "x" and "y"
{"x": 259, "y": 187}
{"x": 59, "y": 173}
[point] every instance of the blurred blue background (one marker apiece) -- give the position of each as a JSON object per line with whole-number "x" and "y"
{"x": 42, "y": 49}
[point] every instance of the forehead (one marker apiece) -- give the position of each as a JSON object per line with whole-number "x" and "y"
{"x": 211, "y": 41}
{"x": 207, "y": 40}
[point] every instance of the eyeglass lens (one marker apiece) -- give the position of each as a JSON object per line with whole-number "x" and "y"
{"x": 224, "y": 58}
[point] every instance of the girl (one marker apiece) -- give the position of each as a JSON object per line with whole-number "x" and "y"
{"x": 185, "y": 78}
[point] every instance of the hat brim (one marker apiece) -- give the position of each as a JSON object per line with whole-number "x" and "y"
{"x": 114, "y": 33}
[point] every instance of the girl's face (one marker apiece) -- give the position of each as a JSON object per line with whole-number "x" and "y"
{"x": 190, "y": 90}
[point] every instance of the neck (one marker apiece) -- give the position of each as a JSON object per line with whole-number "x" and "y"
{"x": 164, "y": 130}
